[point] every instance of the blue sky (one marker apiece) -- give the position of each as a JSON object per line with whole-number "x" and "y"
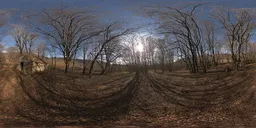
{"x": 111, "y": 9}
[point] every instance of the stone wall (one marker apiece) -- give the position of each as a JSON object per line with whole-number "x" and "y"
{"x": 38, "y": 67}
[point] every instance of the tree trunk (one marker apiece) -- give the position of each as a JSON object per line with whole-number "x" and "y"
{"x": 73, "y": 63}
{"x": 91, "y": 67}
{"x": 84, "y": 69}
{"x": 55, "y": 62}
{"x": 170, "y": 66}
{"x": 52, "y": 61}
{"x": 94, "y": 59}
{"x": 84, "y": 57}
{"x": 84, "y": 65}
{"x": 163, "y": 68}
{"x": 21, "y": 52}
{"x": 104, "y": 70}
{"x": 67, "y": 62}
{"x": 66, "y": 67}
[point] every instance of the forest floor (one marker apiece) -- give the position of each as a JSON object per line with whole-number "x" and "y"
{"x": 55, "y": 99}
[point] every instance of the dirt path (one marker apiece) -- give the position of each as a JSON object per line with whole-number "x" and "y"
{"x": 226, "y": 101}
{"x": 10, "y": 93}
{"x": 145, "y": 100}
{"x": 7, "y": 84}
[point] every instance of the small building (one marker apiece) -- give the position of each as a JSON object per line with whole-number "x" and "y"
{"x": 31, "y": 64}
{"x": 38, "y": 66}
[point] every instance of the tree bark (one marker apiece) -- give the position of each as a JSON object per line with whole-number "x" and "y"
{"x": 73, "y": 63}
{"x": 66, "y": 67}
{"x": 84, "y": 65}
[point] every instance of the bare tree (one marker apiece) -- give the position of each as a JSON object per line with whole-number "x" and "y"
{"x": 51, "y": 49}
{"x": 24, "y": 39}
{"x": 31, "y": 37}
{"x": 129, "y": 55}
{"x": 238, "y": 25}
{"x": 85, "y": 50}
{"x": 111, "y": 32}
{"x": 20, "y": 36}
{"x": 211, "y": 41}
{"x": 67, "y": 28}
{"x": 41, "y": 49}
{"x": 169, "y": 51}
{"x": 162, "y": 53}
{"x": 111, "y": 52}
{"x": 182, "y": 22}
{"x": 150, "y": 48}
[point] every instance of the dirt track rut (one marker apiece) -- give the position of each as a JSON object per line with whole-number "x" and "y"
{"x": 146, "y": 98}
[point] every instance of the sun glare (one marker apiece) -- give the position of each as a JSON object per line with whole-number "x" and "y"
{"x": 139, "y": 47}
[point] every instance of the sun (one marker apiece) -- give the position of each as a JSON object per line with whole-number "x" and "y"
{"x": 139, "y": 48}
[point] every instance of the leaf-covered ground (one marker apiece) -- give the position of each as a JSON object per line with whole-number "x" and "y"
{"x": 214, "y": 99}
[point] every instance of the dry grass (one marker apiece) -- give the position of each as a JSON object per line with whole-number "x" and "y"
{"x": 181, "y": 99}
